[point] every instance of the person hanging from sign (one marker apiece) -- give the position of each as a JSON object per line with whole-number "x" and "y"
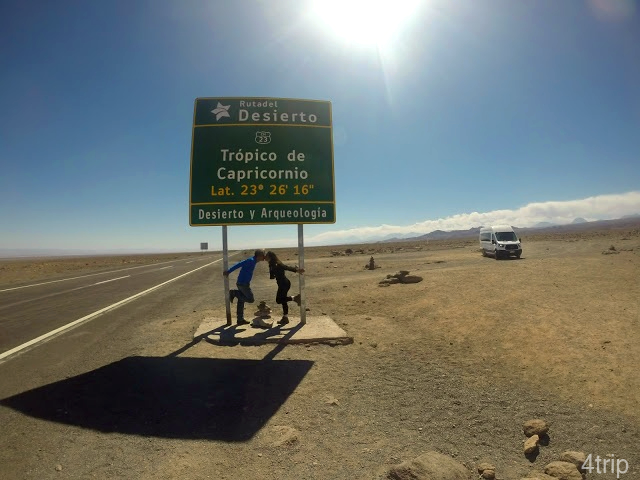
{"x": 277, "y": 271}
{"x": 244, "y": 293}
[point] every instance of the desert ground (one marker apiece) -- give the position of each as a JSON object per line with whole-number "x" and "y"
{"x": 453, "y": 364}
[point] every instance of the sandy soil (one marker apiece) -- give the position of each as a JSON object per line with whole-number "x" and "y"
{"x": 455, "y": 363}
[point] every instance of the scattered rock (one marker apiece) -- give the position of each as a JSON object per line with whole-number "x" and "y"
{"x": 485, "y": 466}
{"x": 58, "y": 468}
{"x": 563, "y": 471}
{"x": 489, "y": 474}
{"x": 331, "y": 400}
{"x": 531, "y": 444}
{"x": 284, "y": 436}
{"x": 535, "y": 427}
{"x": 577, "y": 458}
{"x": 429, "y": 466}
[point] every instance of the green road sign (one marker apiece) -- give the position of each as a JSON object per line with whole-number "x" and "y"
{"x": 257, "y": 161}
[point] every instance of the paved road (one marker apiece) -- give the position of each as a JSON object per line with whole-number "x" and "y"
{"x": 31, "y": 311}
{"x": 152, "y": 330}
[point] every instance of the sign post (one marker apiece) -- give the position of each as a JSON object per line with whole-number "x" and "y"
{"x": 262, "y": 161}
{"x": 225, "y": 267}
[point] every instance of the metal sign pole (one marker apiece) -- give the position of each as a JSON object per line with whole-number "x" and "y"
{"x": 303, "y": 310}
{"x": 225, "y": 267}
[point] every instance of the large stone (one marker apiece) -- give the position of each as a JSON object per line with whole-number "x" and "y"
{"x": 411, "y": 279}
{"x": 535, "y": 427}
{"x": 563, "y": 471}
{"x": 577, "y": 458}
{"x": 429, "y": 466}
{"x": 531, "y": 444}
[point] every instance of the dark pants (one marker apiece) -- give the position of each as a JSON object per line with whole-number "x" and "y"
{"x": 243, "y": 295}
{"x": 282, "y": 296}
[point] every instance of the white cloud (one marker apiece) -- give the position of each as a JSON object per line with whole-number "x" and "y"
{"x": 601, "y": 207}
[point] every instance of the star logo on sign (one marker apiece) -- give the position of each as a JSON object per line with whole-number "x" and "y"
{"x": 221, "y": 111}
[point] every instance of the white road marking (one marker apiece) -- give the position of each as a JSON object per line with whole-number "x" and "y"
{"x": 93, "y": 315}
{"x": 161, "y": 268}
{"x": 112, "y": 280}
{"x": 83, "y": 276}
{"x": 55, "y": 294}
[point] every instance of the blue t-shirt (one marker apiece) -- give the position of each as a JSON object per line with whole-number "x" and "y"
{"x": 246, "y": 270}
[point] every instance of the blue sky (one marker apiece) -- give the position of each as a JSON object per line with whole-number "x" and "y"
{"x": 463, "y": 112}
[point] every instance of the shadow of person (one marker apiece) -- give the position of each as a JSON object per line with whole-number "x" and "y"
{"x": 171, "y": 397}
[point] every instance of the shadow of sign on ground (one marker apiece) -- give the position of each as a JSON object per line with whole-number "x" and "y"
{"x": 187, "y": 398}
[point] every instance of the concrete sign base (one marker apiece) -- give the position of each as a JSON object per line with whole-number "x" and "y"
{"x": 316, "y": 330}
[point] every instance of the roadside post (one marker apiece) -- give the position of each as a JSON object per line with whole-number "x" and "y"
{"x": 261, "y": 161}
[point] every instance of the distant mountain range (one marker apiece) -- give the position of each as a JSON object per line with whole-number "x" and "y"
{"x": 577, "y": 225}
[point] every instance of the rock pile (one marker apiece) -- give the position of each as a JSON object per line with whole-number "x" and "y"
{"x": 371, "y": 265}
{"x": 264, "y": 310}
{"x": 400, "y": 277}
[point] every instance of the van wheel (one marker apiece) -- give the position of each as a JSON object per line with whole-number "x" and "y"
{"x": 497, "y": 255}
{"x": 484, "y": 252}
{"x": 518, "y": 255}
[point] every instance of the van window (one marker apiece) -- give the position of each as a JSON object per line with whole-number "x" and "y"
{"x": 485, "y": 237}
{"x": 506, "y": 237}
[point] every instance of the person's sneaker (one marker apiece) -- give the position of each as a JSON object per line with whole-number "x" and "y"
{"x": 284, "y": 320}
{"x": 232, "y": 296}
{"x": 260, "y": 323}
{"x": 242, "y": 321}
{"x": 296, "y": 299}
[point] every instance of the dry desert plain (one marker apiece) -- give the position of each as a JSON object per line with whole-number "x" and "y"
{"x": 454, "y": 364}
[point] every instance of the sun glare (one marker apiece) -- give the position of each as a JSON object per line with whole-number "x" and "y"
{"x": 364, "y": 22}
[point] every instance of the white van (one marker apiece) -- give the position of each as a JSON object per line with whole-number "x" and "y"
{"x": 500, "y": 241}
